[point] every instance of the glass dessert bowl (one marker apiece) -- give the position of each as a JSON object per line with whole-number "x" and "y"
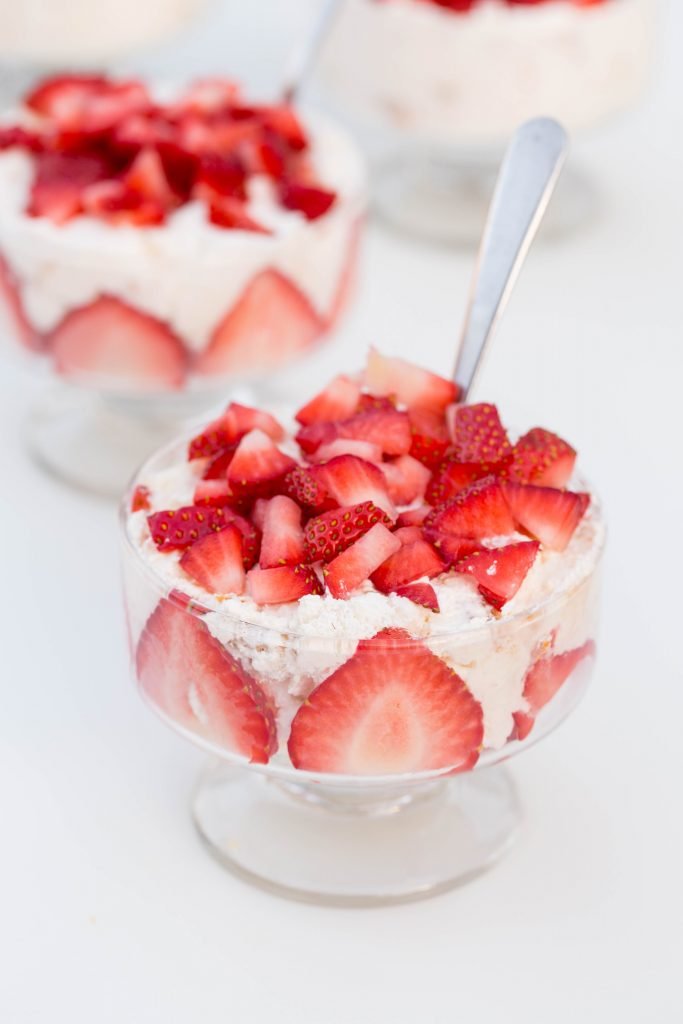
{"x": 362, "y": 629}
{"x": 157, "y": 252}
{"x": 471, "y": 71}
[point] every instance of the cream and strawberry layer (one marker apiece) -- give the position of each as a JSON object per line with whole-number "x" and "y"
{"x": 469, "y": 77}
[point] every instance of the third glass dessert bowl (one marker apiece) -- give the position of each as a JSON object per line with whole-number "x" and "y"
{"x": 360, "y": 620}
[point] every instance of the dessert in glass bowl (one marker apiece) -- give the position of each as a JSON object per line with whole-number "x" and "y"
{"x": 156, "y": 250}
{"x": 369, "y": 611}
{"x": 449, "y": 80}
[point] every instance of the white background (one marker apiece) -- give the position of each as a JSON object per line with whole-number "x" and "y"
{"x": 110, "y": 911}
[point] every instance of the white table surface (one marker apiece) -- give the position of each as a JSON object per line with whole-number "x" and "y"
{"x": 110, "y": 910}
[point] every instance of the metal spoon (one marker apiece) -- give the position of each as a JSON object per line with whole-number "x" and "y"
{"x": 526, "y": 181}
{"x": 306, "y": 53}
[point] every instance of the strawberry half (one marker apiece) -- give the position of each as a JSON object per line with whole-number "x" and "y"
{"x": 549, "y": 515}
{"x": 412, "y": 385}
{"x": 420, "y": 593}
{"x": 327, "y": 535}
{"x": 189, "y": 676}
{"x": 479, "y": 436}
{"x": 500, "y": 572}
{"x": 216, "y": 562}
{"x": 478, "y": 511}
{"x": 306, "y": 491}
{"x": 337, "y": 401}
{"x": 542, "y": 458}
{"x": 410, "y": 562}
{"x": 258, "y": 466}
{"x": 406, "y": 479}
{"x": 230, "y": 427}
{"x": 283, "y": 537}
{"x": 543, "y": 680}
{"x": 393, "y": 707}
{"x": 282, "y": 584}
{"x": 357, "y": 563}
{"x": 351, "y": 481}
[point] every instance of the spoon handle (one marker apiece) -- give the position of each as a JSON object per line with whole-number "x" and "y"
{"x": 305, "y": 54}
{"x": 525, "y": 184}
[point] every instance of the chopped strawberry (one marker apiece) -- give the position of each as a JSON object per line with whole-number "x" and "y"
{"x": 87, "y": 104}
{"x": 415, "y": 387}
{"x": 307, "y": 199}
{"x": 117, "y": 345}
{"x": 216, "y": 562}
{"x": 337, "y": 401}
{"x": 452, "y": 478}
{"x": 389, "y": 430}
{"x": 410, "y": 562}
{"x": 451, "y": 549}
{"x": 307, "y": 492}
{"x": 230, "y": 427}
{"x": 258, "y": 512}
{"x": 545, "y": 677}
{"x": 117, "y": 203}
{"x": 500, "y": 572}
{"x": 376, "y": 403}
{"x": 220, "y": 176}
{"x": 420, "y": 593}
{"x": 227, "y": 212}
{"x": 191, "y": 677}
{"x": 218, "y": 466}
{"x": 59, "y": 183}
{"x": 430, "y": 438}
{"x": 354, "y": 565}
{"x": 18, "y": 137}
{"x": 542, "y": 458}
{"x": 147, "y": 177}
{"x": 270, "y": 323}
{"x": 329, "y": 534}
{"x": 479, "y": 436}
{"x": 140, "y": 499}
{"x": 351, "y": 481}
{"x": 282, "y": 584}
{"x": 347, "y": 446}
{"x": 316, "y": 435}
{"x": 414, "y": 516}
{"x": 284, "y": 121}
{"x": 209, "y": 95}
{"x": 546, "y": 513}
{"x": 213, "y": 492}
{"x": 13, "y": 320}
{"x": 258, "y": 466}
{"x": 406, "y": 479}
{"x": 394, "y": 707}
{"x": 283, "y": 536}
{"x": 478, "y": 511}
{"x": 180, "y": 528}
{"x": 407, "y": 534}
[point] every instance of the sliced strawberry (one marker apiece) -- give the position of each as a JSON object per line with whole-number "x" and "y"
{"x": 543, "y": 680}
{"x": 218, "y": 466}
{"x": 549, "y": 515}
{"x": 59, "y": 182}
{"x": 337, "y": 401}
{"x": 394, "y": 707}
{"x": 210, "y": 95}
{"x": 420, "y": 593}
{"x": 410, "y": 562}
{"x": 307, "y": 492}
{"x": 284, "y": 121}
{"x": 430, "y": 438}
{"x": 451, "y": 549}
{"x": 415, "y": 387}
{"x": 180, "y": 528}
{"x": 452, "y": 478}
{"x": 258, "y": 512}
{"x": 147, "y": 177}
{"x": 18, "y": 137}
{"x": 270, "y": 323}
{"x": 316, "y": 435}
{"x": 228, "y": 212}
{"x": 282, "y": 584}
{"x": 407, "y": 534}
{"x": 313, "y": 202}
{"x": 283, "y": 536}
{"x": 479, "y": 436}
{"x": 87, "y": 104}
{"x": 220, "y": 176}
{"x": 140, "y": 500}
{"x": 230, "y": 427}
{"x": 351, "y": 481}
{"x": 327, "y": 535}
{"x": 190, "y": 677}
{"x": 406, "y": 478}
{"x": 216, "y": 562}
{"x": 354, "y": 565}
{"x": 376, "y": 403}
{"x": 542, "y": 458}
{"x": 414, "y": 516}
{"x": 388, "y": 429}
{"x": 13, "y": 319}
{"x": 116, "y": 203}
{"x": 258, "y": 466}
{"x": 115, "y": 345}
{"x": 478, "y": 511}
{"x": 213, "y": 492}
{"x": 347, "y": 446}
{"x": 500, "y": 572}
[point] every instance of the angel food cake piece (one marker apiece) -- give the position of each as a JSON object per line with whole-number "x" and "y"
{"x": 152, "y": 244}
{"x": 393, "y": 585}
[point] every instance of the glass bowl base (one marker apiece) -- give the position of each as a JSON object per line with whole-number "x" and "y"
{"x": 360, "y": 845}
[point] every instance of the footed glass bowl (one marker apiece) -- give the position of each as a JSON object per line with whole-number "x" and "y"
{"x": 297, "y": 797}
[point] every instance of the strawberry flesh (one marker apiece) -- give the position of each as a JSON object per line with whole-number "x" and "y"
{"x": 337, "y": 401}
{"x": 478, "y": 511}
{"x": 542, "y": 458}
{"x": 351, "y": 481}
{"x": 420, "y": 593}
{"x": 479, "y": 436}
{"x": 327, "y": 535}
{"x": 282, "y": 584}
{"x": 500, "y": 572}
{"x": 355, "y": 565}
{"x": 302, "y": 486}
{"x": 216, "y": 562}
{"x": 413, "y": 386}
{"x": 543, "y": 680}
{"x": 548, "y": 514}
{"x": 283, "y": 537}
{"x": 410, "y": 562}
{"x": 258, "y": 466}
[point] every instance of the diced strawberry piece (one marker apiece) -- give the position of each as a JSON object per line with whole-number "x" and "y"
{"x": 210, "y": 95}
{"x": 116, "y": 203}
{"x": 270, "y": 323}
{"x": 347, "y": 446}
{"x": 407, "y": 534}
{"x": 282, "y": 584}
{"x": 17, "y": 137}
{"x": 220, "y": 176}
{"x": 226, "y": 212}
{"x": 406, "y": 478}
{"x": 548, "y": 514}
{"x": 388, "y": 429}
{"x": 451, "y": 549}
{"x": 543, "y": 680}
{"x": 62, "y": 96}
{"x": 59, "y": 182}
{"x": 500, "y": 572}
{"x": 307, "y": 199}
{"x": 258, "y": 512}
{"x": 479, "y": 436}
{"x": 283, "y": 121}
{"x": 87, "y": 104}
{"x": 230, "y": 427}
{"x": 420, "y": 593}
{"x": 212, "y": 492}
{"x": 376, "y": 403}
{"x": 189, "y": 676}
{"x": 140, "y": 499}
{"x": 13, "y": 320}
{"x": 414, "y": 516}
{"x": 478, "y": 511}
{"x": 357, "y": 563}
{"x": 283, "y": 536}
{"x": 351, "y": 481}
{"x": 180, "y": 528}
{"x": 216, "y": 562}
{"x": 315, "y": 435}
{"x": 329, "y": 534}
{"x": 452, "y": 478}
{"x": 258, "y": 466}
{"x": 430, "y": 438}
{"x": 541, "y": 458}
{"x": 394, "y": 707}
{"x": 217, "y": 468}
{"x": 307, "y": 492}
{"x": 147, "y": 177}
{"x": 409, "y": 563}
{"x": 114, "y": 345}
{"x": 415, "y": 387}
{"x": 337, "y": 401}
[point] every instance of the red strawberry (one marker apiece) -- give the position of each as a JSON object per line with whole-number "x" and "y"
{"x": 352, "y": 567}
{"x": 346, "y": 446}
{"x": 478, "y": 511}
{"x": 430, "y": 438}
{"x": 479, "y": 436}
{"x": 406, "y": 479}
{"x": 542, "y": 458}
{"x": 307, "y": 492}
{"x": 315, "y": 435}
{"x": 216, "y": 562}
{"x": 218, "y": 466}
{"x": 112, "y": 345}
{"x": 415, "y": 387}
{"x": 284, "y": 121}
{"x": 376, "y": 403}
{"x": 452, "y": 478}
{"x": 13, "y": 320}
{"x": 191, "y": 678}
{"x": 414, "y": 516}
{"x": 407, "y": 534}
{"x": 258, "y": 512}
{"x": 59, "y": 182}
{"x": 332, "y": 532}
{"x": 409, "y": 563}
{"x": 228, "y": 212}
{"x": 283, "y": 537}
{"x": 451, "y": 549}
{"x": 543, "y": 680}
{"x": 87, "y": 104}
{"x": 271, "y": 322}
{"x": 500, "y": 572}
{"x": 258, "y": 466}
{"x": 140, "y": 500}
{"x": 182, "y": 527}
{"x": 147, "y": 177}
{"x": 219, "y": 176}
{"x": 351, "y": 481}
{"x": 337, "y": 401}
{"x": 420, "y": 593}
{"x": 18, "y": 137}
{"x": 388, "y": 429}
{"x": 307, "y": 199}
{"x": 393, "y": 707}
{"x": 116, "y": 203}
{"x": 282, "y": 584}
{"x": 230, "y": 427}
{"x": 549, "y": 515}
{"x": 213, "y": 492}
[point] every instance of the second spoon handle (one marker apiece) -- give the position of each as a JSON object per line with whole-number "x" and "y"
{"x": 526, "y": 181}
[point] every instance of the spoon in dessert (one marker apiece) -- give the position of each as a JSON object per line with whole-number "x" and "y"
{"x": 306, "y": 53}
{"x": 526, "y": 181}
